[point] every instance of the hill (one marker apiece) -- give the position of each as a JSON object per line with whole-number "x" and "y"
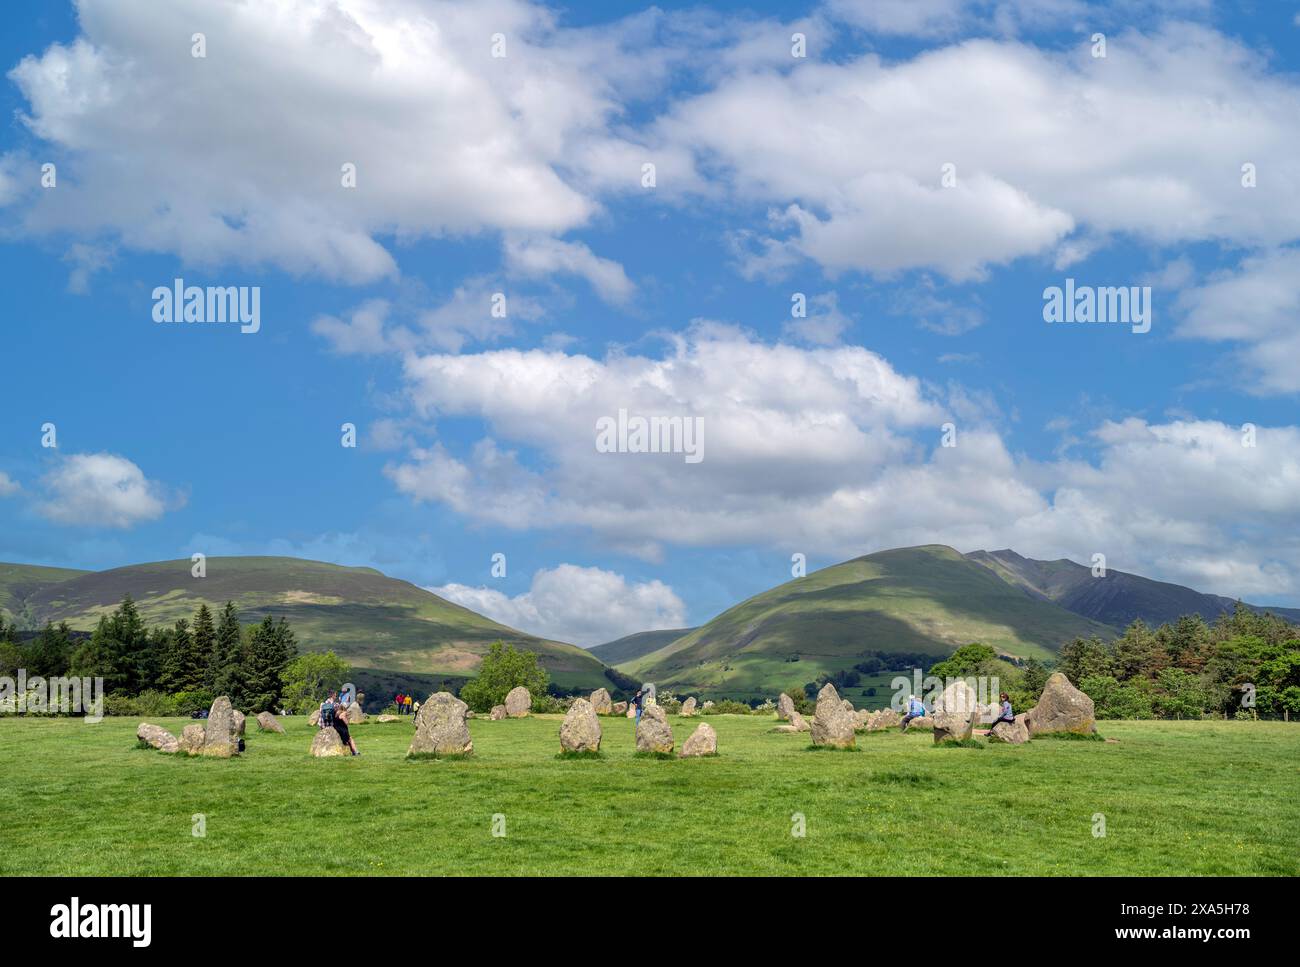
{"x": 633, "y": 646}
{"x": 371, "y": 620}
{"x": 1118, "y": 599}
{"x": 19, "y": 582}
{"x": 919, "y": 600}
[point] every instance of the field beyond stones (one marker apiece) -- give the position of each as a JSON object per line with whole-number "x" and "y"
{"x": 1178, "y": 798}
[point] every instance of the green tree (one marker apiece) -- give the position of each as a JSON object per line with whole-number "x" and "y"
{"x": 230, "y": 658}
{"x": 48, "y": 654}
{"x": 503, "y": 668}
{"x": 309, "y": 678}
{"x": 270, "y": 648}
{"x": 972, "y": 659}
{"x": 1084, "y": 657}
{"x": 205, "y": 646}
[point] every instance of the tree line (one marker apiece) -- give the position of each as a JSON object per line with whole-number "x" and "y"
{"x": 193, "y": 661}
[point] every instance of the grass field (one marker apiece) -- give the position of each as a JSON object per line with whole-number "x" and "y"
{"x": 1178, "y": 798}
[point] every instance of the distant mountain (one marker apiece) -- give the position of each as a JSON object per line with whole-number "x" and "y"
{"x": 1118, "y": 599}
{"x": 928, "y": 600}
{"x": 369, "y": 619}
{"x": 634, "y": 646}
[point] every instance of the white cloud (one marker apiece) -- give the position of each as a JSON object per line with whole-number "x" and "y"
{"x": 834, "y": 452}
{"x": 824, "y": 324}
{"x": 1054, "y": 151}
{"x": 236, "y": 157}
{"x": 544, "y": 257}
{"x": 1257, "y": 306}
{"x": 583, "y": 605}
{"x": 100, "y": 490}
{"x": 8, "y": 486}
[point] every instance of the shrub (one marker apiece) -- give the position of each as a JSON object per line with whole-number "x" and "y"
{"x": 156, "y": 704}
{"x": 187, "y": 703}
{"x": 728, "y": 707}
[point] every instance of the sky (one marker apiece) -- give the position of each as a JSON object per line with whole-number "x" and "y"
{"x": 476, "y": 230}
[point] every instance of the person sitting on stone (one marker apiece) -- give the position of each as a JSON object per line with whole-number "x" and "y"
{"x": 915, "y": 710}
{"x": 1004, "y": 713}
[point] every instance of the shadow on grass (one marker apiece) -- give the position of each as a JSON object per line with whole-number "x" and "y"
{"x": 900, "y": 778}
{"x": 579, "y": 754}
{"x": 959, "y": 744}
{"x": 647, "y": 754}
{"x": 434, "y": 756}
{"x": 832, "y": 748}
{"x": 1071, "y": 736}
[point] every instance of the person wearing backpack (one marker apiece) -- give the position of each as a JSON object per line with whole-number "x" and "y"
{"x": 333, "y": 716}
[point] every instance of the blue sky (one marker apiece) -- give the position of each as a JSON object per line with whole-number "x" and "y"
{"x": 775, "y": 175}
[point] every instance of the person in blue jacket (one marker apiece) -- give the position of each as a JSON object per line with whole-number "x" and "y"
{"x": 915, "y": 710}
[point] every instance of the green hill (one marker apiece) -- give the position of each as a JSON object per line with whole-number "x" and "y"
{"x": 369, "y": 619}
{"x": 20, "y": 582}
{"x": 633, "y": 646}
{"x": 927, "y": 600}
{"x": 1117, "y": 599}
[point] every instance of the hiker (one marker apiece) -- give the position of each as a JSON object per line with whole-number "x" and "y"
{"x": 398, "y": 701}
{"x": 408, "y": 704}
{"x": 333, "y": 715}
{"x": 636, "y": 706}
{"x": 645, "y": 696}
{"x": 415, "y": 708}
{"x": 915, "y": 710}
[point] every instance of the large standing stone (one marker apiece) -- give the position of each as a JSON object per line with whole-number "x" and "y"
{"x": 832, "y": 725}
{"x": 601, "y": 702}
{"x": 498, "y": 713}
{"x": 580, "y": 730}
{"x": 518, "y": 701}
{"x": 326, "y": 742}
{"x": 440, "y": 727}
{"x": 703, "y": 741}
{"x": 1061, "y": 708}
{"x": 158, "y": 737}
{"x": 239, "y": 721}
{"x": 653, "y": 733}
{"x": 688, "y": 707}
{"x": 1015, "y": 733}
{"x": 619, "y": 708}
{"x": 191, "y": 740}
{"x": 269, "y": 723}
{"x": 784, "y": 707}
{"x": 220, "y": 735}
{"x": 955, "y": 712}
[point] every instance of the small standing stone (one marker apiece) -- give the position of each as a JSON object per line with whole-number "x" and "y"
{"x": 601, "y": 702}
{"x": 269, "y": 723}
{"x": 580, "y": 730}
{"x": 703, "y": 741}
{"x": 653, "y": 733}
{"x": 688, "y": 707}
{"x": 518, "y": 702}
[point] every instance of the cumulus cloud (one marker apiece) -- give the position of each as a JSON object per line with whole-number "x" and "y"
{"x": 544, "y": 257}
{"x": 1053, "y": 151}
{"x": 833, "y": 451}
{"x": 100, "y": 490}
{"x": 583, "y": 605}
{"x": 237, "y": 156}
{"x": 8, "y": 486}
{"x": 1256, "y": 307}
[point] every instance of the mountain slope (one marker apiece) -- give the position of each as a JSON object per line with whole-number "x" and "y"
{"x": 371, "y": 620}
{"x": 633, "y": 646}
{"x": 18, "y": 584}
{"x": 1117, "y": 599}
{"x": 921, "y": 599}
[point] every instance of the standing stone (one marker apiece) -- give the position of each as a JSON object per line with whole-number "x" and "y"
{"x": 498, "y": 713}
{"x": 518, "y": 701}
{"x": 220, "y": 735}
{"x": 158, "y": 737}
{"x": 580, "y": 730}
{"x": 886, "y": 718}
{"x": 784, "y": 707}
{"x": 922, "y": 722}
{"x": 440, "y": 727}
{"x": 191, "y": 740}
{"x": 797, "y": 723}
{"x": 848, "y": 706}
{"x": 268, "y": 723}
{"x": 601, "y": 702}
{"x": 688, "y": 708}
{"x": 1015, "y": 734}
{"x": 955, "y": 712}
{"x": 314, "y": 718}
{"x": 618, "y": 708}
{"x": 354, "y": 714}
{"x": 832, "y": 725}
{"x": 653, "y": 733}
{"x": 388, "y": 718}
{"x": 703, "y": 741}
{"x": 239, "y": 721}
{"x": 326, "y": 742}
{"x": 861, "y": 718}
{"x": 1061, "y": 708}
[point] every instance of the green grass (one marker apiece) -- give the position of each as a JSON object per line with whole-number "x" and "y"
{"x": 1179, "y": 798}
